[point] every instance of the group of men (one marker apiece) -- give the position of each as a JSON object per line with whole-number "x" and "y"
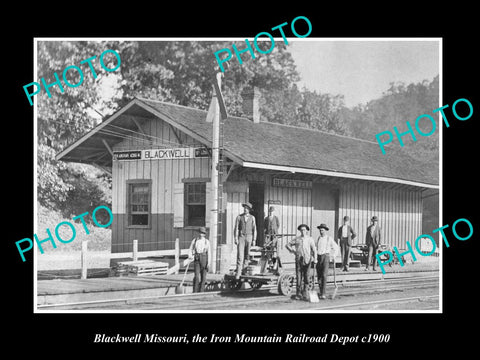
{"x": 373, "y": 238}
{"x": 315, "y": 254}
{"x": 309, "y": 253}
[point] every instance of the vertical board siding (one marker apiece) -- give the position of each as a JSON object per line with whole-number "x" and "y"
{"x": 398, "y": 210}
{"x": 164, "y": 175}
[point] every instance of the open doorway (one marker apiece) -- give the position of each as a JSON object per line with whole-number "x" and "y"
{"x": 256, "y": 196}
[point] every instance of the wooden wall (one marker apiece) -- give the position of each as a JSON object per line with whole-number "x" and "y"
{"x": 399, "y": 209}
{"x": 164, "y": 175}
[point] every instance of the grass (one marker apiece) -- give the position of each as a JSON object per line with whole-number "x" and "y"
{"x": 99, "y": 239}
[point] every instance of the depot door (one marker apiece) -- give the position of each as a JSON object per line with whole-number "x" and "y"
{"x": 256, "y": 196}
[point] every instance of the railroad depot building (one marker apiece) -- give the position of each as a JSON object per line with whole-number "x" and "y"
{"x": 159, "y": 155}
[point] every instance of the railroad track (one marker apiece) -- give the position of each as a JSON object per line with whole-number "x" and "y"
{"x": 217, "y": 300}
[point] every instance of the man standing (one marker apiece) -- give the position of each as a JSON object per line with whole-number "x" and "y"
{"x": 244, "y": 236}
{"x": 373, "y": 240}
{"x": 326, "y": 246}
{"x": 303, "y": 247}
{"x": 198, "y": 251}
{"x": 346, "y": 234}
{"x": 271, "y": 225}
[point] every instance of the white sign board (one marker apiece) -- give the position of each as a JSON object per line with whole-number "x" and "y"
{"x": 162, "y": 154}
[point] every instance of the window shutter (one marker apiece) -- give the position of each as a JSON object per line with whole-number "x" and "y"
{"x": 208, "y": 204}
{"x": 178, "y": 205}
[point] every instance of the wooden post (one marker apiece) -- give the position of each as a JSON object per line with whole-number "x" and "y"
{"x": 177, "y": 254}
{"x": 135, "y": 250}
{"x": 84, "y": 259}
{"x": 214, "y": 182}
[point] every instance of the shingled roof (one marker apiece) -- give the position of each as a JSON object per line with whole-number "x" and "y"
{"x": 272, "y": 145}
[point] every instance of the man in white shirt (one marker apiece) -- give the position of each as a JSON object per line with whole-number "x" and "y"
{"x": 199, "y": 251}
{"x": 326, "y": 247}
{"x": 303, "y": 247}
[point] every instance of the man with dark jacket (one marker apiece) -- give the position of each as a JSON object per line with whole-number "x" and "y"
{"x": 373, "y": 240}
{"x": 345, "y": 236}
{"x": 271, "y": 225}
{"x": 244, "y": 236}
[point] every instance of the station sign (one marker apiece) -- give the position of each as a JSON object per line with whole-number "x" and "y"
{"x": 292, "y": 183}
{"x": 162, "y": 154}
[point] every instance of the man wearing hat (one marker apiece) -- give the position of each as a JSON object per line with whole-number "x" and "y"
{"x": 373, "y": 240}
{"x": 345, "y": 236}
{"x": 244, "y": 236}
{"x": 303, "y": 247}
{"x": 271, "y": 224}
{"x": 199, "y": 251}
{"x": 326, "y": 246}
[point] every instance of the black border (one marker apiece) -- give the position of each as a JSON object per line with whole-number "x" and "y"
{"x": 411, "y": 334}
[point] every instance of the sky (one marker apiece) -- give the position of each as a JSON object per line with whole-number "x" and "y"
{"x": 363, "y": 70}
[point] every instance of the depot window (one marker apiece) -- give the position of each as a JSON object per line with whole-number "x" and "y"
{"x": 138, "y": 204}
{"x": 195, "y": 197}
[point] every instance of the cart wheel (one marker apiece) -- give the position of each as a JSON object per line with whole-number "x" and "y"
{"x": 212, "y": 286}
{"x": 255, "y": 284}
{"x": 285, "y": 284}
{"x": 233, "y": 284}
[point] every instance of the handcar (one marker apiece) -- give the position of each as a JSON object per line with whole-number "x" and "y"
{"x": 265, "y": 271}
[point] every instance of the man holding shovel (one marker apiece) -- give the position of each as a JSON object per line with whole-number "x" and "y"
{"x": 326, "y": 246}
{"x": 198, "y": 252}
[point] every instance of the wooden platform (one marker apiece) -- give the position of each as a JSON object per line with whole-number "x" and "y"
{"x": 76, "y": 290}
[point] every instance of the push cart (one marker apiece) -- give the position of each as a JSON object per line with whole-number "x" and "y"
{"x": 265, "y": 271}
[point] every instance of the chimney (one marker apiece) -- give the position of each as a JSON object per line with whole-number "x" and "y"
{"x": 250, "y": 105}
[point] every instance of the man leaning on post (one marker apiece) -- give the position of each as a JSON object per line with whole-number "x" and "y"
{"x": 305, "y": 251}
{"x": 244, "y": 236}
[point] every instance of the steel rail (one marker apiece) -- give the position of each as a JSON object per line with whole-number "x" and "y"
{"x": 378, "y": 302}
{"x": 353, "y": 288}
{"x": 263, "y": 299}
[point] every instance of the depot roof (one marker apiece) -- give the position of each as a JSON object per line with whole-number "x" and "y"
{"x": 262, "y": 145}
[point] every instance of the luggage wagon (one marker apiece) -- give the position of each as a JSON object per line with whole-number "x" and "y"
{"x": 264, "y": 271}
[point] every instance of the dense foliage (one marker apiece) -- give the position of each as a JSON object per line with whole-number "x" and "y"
{"x": 182, "y": 73}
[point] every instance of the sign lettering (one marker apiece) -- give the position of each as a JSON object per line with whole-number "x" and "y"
{"x": 292, "y": 183}
{"x": 161, "y": 154}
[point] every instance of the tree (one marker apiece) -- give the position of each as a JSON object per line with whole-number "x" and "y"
{"x": 175, "y": 71}
{"x": 400, "y": 103}
{"x": 66, "y": 116}
{"x": 322, "y": 112}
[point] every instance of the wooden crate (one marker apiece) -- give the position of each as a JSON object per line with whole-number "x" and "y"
{"x": 140, "y": 268}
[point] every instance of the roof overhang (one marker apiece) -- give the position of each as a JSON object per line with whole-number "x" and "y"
{"x": 337, "y": 174}
{"x": 95, "y": 146}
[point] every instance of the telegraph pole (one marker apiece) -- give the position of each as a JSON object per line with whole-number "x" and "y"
{"x": 214, "y": 179}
